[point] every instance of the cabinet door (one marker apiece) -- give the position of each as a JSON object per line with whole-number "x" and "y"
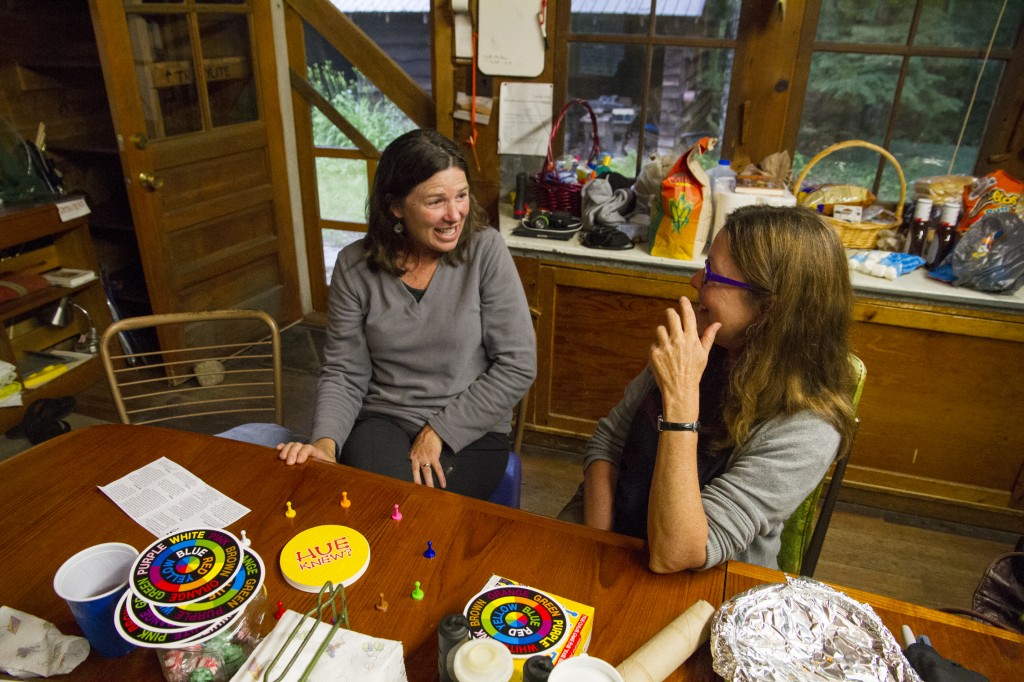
{"x": 193, "y": 96}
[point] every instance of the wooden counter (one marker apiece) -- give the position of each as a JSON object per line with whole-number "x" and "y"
{"x": 942, "y": 414}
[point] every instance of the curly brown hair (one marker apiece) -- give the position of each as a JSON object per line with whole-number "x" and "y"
{"x": 410, "y": 159}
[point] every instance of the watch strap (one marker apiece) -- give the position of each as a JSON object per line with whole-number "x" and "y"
{"x": 677, "y": 426}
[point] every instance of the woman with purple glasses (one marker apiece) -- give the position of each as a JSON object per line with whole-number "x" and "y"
{"x": 743, "y": 404}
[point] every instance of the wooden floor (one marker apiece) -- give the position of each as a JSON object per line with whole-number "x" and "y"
{"x": 907, "y": 558}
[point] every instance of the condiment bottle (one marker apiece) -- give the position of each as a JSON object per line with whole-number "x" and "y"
{"x": 919, "y": 227}
{"x": 945, "y": 237}
{"x": 452, "y": 631}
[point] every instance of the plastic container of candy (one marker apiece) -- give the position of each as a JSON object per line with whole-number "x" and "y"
{"x": 218, "y": 658}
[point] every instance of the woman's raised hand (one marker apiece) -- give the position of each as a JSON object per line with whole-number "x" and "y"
{"x": 678, "y": 357}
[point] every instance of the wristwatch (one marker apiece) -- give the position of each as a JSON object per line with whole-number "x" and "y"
{"x": 677, "y": 426}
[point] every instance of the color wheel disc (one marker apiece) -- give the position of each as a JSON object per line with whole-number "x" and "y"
{"x": 526, "y": 621}
{"x": 186, "y": 567}
{"x": 222, "y": 603}
{"x": 146, "y": 636}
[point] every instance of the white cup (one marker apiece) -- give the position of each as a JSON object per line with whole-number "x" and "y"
{"x": 584, "y": 669}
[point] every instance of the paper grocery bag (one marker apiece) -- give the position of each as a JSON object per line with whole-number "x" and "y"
{"x": 681, "y": 221}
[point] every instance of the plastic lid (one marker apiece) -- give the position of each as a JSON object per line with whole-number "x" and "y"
{"x": 584, "y": 669}
{"x": 724, "y": 162}
{"x": 483, "y": 660}
{"x": 923, "y": 209}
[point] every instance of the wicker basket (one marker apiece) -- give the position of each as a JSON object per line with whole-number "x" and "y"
{"x": 548, "y": 191}
{"x": 858, "y": 235}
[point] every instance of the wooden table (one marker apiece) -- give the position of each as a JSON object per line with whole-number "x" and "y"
{"x": 52, "y": 508}
{"x": 995, "y": 653}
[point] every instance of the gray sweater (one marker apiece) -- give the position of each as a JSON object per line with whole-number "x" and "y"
{"x": 459, "y": 359}
{"x": 764, "y": 481}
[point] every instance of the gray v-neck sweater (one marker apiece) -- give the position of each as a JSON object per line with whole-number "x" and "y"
{"x": 460, "y": 358}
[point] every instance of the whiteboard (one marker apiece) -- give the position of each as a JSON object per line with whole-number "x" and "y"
{"x": 510, "y": 41}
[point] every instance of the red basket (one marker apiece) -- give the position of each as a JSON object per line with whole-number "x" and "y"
{"x": 548, "y": 191}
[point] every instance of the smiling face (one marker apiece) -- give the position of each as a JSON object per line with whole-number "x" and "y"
{"x": 733, "y": 306}
{"x": 434, "y": 212}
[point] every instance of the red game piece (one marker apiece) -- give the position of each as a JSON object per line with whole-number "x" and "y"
{"x": 280, "y": 610}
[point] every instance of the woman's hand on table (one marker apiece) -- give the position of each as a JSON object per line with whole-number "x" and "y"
{"x": 298, "y": 453}
{"x": 425, "y": 458}
{"x": 678, "y": 357}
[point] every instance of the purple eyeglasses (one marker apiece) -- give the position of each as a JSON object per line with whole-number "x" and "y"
{"x": 711, "y": 276}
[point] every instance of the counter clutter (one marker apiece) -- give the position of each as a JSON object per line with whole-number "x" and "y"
{"x": 914, "y": 286}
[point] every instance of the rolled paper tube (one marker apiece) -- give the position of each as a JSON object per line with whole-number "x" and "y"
{"x": 667, "y": 650}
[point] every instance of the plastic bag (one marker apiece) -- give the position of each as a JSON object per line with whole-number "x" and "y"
{"x": 990, "y": 255}
{"x": 997, "y": 192}
{"x": 681, "y": 221}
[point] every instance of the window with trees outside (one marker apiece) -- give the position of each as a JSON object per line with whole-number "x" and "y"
{"x": 917, "y": 77}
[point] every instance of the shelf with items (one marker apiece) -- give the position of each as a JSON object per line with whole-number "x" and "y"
{"x": 35, "y": 239}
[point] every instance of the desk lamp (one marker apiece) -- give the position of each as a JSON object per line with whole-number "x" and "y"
{"x": 63, "y": 314}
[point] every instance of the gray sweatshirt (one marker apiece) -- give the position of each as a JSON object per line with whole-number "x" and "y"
{"x": 460, "y": 358}
{"x": 764, "y": 481}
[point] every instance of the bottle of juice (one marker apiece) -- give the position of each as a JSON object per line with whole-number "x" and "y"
{"x": 945, "y": 236}
{"x": 919, "y": 227}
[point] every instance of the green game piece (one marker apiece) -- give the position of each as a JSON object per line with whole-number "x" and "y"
{"x": 417, "y": 593}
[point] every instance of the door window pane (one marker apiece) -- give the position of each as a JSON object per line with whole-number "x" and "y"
{"x": 968, "y": 23}
{"x": 697, "y": 19}
{"x": 334, "y": 241}
{"x": 343, "y": 188}
{"x": 228, "y": 67}
{"x": 886, "y": 22}
{"x": 630, "y": 17}
{"x": 688, "y": 97}
{"x": 164, "y": 67}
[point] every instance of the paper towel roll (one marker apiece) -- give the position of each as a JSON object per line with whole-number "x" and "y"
{"x": 726, "y": 202}
{"x": 667, "y": 650}
{"x": 460, "y": 5}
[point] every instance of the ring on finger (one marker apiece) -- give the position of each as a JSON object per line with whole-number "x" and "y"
{"x": 425, "y": 466}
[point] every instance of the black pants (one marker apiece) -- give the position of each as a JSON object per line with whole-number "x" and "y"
{"x": 381, "y": 445}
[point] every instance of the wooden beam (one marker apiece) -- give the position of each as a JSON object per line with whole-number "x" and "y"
{"x": 348, "y": 39}
{"x": 309, "y": 93}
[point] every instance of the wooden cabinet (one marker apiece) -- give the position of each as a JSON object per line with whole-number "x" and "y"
{"x": 36, "y": 239}
{"x": 941, "y": 413}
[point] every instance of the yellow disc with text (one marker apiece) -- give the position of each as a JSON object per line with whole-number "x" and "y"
{"x": 325, "y": 553}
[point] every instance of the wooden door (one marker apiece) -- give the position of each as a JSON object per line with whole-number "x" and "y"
{"x": 202, "y": 151}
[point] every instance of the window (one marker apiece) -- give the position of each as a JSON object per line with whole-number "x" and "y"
{"x": 908, "y": 75}
{"x": 656, "y": 74}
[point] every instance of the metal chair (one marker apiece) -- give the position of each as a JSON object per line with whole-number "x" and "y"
{"x": 214, "y": 369}
{"x": 800, "y": 546}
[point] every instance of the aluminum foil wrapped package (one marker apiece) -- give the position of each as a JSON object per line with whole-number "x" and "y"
{"x": 804, "y": 630}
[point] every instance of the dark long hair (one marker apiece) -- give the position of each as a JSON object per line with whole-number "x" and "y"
{"x": 410, "y": 159}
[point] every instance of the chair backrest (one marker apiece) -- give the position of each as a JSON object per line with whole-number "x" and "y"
{"x": 226, "y": 370}
{"x": 802, "y": 537}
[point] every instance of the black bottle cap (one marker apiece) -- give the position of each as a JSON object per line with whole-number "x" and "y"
{"x": 537, "y": 668}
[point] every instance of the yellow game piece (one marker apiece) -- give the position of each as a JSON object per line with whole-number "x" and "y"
{"x": 381, "y": 605}
{"x": 345, "y": 503}
{"x": 289, "y": 512}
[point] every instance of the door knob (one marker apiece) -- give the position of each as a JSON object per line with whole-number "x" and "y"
{"x": 150, "y": 181}
{"x": 140, "y": 140}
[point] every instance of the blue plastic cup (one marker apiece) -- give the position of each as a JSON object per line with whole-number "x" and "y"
{"x": 92, "y": 582}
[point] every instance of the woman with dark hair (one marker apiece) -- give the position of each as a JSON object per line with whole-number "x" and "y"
{"x": 743, "y": 405}
{"x": 429, "y": 337}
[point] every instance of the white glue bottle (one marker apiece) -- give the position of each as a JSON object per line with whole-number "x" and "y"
{"x": 482, "y": 660}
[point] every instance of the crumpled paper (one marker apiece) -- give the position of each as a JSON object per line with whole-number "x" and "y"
{"x": 32, "y": 647}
